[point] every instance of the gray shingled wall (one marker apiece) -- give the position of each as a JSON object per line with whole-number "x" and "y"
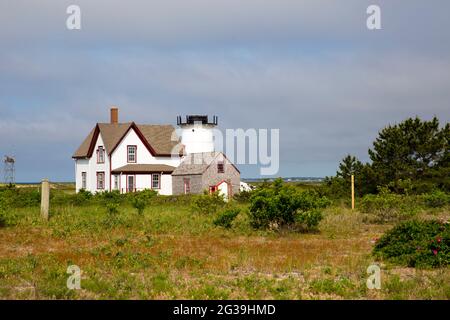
{"x": 178, "y": 183}
{"x": 210, "y": 177}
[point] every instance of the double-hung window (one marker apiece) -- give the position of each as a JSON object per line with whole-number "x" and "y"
{"x": 83, "y": 180}
{"x": 156, "y": 181}
{"x": 131, "y": 154}
{"x": 101, "y": 154}
{"x": 100, "y": 180}
{"x": 116, "y": 182}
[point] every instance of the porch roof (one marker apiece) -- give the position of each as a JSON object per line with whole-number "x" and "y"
{"x": 144, "y": 168}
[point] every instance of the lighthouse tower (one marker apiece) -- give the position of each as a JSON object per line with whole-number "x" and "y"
{"x": 197, "y": 133}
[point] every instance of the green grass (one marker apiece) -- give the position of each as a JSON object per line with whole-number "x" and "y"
{"x": 170, "y": 252}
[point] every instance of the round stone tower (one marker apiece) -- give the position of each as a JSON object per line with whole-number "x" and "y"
{"x": 197, "y": 133}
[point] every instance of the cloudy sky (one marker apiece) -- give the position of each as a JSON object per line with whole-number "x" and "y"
{"x": 310, "y": 68}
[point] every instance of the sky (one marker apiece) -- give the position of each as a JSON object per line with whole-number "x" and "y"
{"x": 311, "y": 69}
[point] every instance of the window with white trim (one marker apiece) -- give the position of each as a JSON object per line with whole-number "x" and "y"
{"x": 131, "y": 154}
{"x": 100, "y": 180}
{"x": 131, "y": 183}
{"x": 83, "y": 180}
{"x": 116, "y": 182}
{"x": 101, "y": 154}
{"x": 156, "y": 181}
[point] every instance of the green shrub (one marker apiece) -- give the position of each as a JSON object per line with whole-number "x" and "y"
{"x": 82, "y": 197}
{"x": 243, "y": 196}
{"x": 8, "y": 218}
{"x": 147, "y": 194}
{"x": 207, "y": 203}
{"x": 28, "y": 197}
{"x": 421, "y": 186}
{"x": 112, "y": 208}
{"x": 436, "y": 199}
{"x": 139, "y": 204}
{"x": 181, "y": 199}
{"x": 334, "y": 188}
{"x": 282, "y": 204}
{"x": 310, "y": 218}
{"x": 388, "y": 207}
{"x": 3, "y": 221}
{"x": 416, "y": 244}
{"x": 13, "y": 197}
{"x": 140, "y": 200}
{"x": 226, "y": 218}
{"x": 108, "y": 196}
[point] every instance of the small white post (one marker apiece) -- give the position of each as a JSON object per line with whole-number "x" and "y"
{"x": 45, "y": 198}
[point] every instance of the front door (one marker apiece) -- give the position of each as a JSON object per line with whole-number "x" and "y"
{"x": 187, "y": 186}
{"x": 224, "y": 189}
{"x": 131, "y": 183}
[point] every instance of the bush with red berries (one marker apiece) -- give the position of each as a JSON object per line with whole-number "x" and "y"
{"x": 416, "y": 243}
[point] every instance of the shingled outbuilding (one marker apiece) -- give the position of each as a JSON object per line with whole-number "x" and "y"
{"x": 210, "y": 171}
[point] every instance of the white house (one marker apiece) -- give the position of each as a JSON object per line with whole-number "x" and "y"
{"x": 131, "y": 157}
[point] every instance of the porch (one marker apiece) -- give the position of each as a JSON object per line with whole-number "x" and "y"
{"x": 138, "y": 177}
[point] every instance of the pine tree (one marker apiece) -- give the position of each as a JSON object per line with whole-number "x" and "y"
{"x": 413, "y": 149}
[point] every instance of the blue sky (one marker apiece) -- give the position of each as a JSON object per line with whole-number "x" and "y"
{"x": 309, "y": 68}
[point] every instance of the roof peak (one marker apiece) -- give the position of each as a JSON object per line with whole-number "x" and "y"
{"x": 157, "y": 138}
{"x": 114, "y": 124}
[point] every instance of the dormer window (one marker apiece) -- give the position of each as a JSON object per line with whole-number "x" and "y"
{"x": 131, "y": 154}
{"x": 101, "y": 154}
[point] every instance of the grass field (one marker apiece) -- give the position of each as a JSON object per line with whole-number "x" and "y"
{"x": 171, "y": 253}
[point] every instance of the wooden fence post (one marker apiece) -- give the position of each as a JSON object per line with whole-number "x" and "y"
{"x": 45, "y": 198}
{"x": 353, "y": 192}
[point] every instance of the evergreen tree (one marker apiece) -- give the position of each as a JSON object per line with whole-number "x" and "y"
{"x": 412, "y": 156}
{"x": 413, "y": 149}
{"x": 349, "y": 166}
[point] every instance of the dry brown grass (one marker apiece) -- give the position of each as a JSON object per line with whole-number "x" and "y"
{"x": 146, "y": 261}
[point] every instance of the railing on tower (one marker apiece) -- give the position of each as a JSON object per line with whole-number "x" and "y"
{"x": 197, "y": 119}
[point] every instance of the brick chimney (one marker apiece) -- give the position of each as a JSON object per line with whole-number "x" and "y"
{"x": 114, "y": 115}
